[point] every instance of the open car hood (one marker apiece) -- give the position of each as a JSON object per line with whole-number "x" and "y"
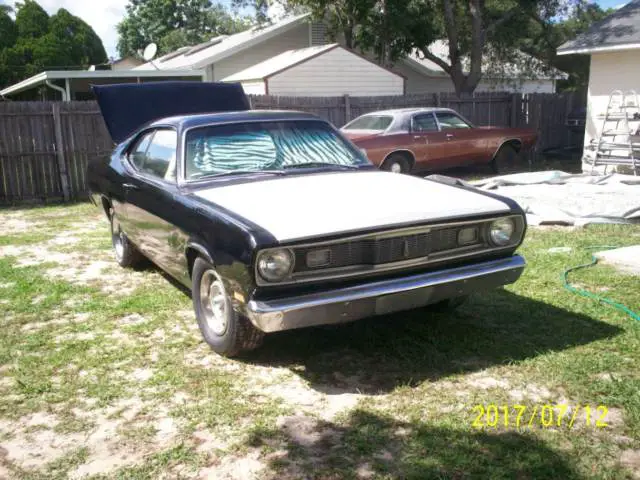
{"x": 128, "y": 106}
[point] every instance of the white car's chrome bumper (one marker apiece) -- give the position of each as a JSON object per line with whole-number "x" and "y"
{"x": 381, "y": 297}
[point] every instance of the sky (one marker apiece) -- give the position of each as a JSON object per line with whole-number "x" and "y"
{"x": 103, "y": 15}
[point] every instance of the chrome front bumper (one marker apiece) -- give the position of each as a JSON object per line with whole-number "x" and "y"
{"x": 381, "y": 297}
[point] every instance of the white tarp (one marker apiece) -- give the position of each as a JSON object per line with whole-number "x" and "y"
{"x": 557, "y": 197}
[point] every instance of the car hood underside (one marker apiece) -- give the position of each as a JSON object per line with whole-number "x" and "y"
{"x": 306, "y": 206}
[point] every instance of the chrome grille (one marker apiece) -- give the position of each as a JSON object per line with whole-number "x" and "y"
{"x": 383, "y": 250}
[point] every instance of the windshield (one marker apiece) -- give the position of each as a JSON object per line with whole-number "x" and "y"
{"x": 266, "y": 146}
{"x": 370, "y": 122}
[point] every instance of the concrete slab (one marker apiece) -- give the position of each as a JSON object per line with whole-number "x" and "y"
{"x": 626, "y": 259}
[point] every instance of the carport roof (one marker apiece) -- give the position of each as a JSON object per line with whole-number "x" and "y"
{"x": 618, "y": 31}
{"x": 44, "y": 77}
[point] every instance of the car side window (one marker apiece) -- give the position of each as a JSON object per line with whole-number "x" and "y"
{"x": 450, "y": 121}
{"x": 161, "y": 156}
{"x": 425, "y": 122}
{"x": 139, "y": 152}
{"x": 155, "y": 154}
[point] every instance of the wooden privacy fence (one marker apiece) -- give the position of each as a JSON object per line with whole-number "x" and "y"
{"x": 45, "y": 147}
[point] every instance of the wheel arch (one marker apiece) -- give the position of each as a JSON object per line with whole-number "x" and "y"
{"x": 106, "y": 206}
{"x": 194, "y": 250}
{"x": 514, "y": 142}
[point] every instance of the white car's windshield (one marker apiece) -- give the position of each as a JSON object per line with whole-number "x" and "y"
{"x": 264, "y": 147}
{"x": 370, "y": 122}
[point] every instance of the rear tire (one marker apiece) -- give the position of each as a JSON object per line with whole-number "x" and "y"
{"x": 127, "y": 255}
{"x": 396, "y": 163}
{"x": 226, "y": 332}
{"x": 506, "y": 160}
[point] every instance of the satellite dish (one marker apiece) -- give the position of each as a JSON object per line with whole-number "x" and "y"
{"x": 150, "y": 52}
{"x": 92, "y": 68}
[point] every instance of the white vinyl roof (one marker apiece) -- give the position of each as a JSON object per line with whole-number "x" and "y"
{"x": 199, "y": 56}
{"x": 279, "y": 63}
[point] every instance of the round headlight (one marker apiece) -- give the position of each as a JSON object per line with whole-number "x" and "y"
{"x": 275, "y": 265}
{"x": 501, "y": 231}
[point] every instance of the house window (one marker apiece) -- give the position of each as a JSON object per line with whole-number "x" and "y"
{"x": 318, "y": 34}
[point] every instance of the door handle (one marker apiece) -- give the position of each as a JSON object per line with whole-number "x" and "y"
{"x": 130, "y": 186}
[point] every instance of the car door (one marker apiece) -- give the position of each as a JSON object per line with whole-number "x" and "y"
{"x": 429, "y": 144}
{"x": 150, "y": 200}
{"x": 465, "y": 143}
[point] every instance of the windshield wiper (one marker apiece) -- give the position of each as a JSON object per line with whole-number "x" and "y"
{"x": 320, "y": 165}
{"x": 236, "y": 172}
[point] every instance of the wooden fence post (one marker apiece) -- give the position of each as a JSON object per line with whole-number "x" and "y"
{"x": 514, "y": 110}
{"x": 62, "y": 164}
{"x": 347, "y": 109}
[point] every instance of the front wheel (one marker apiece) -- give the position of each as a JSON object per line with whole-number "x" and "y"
{"x": 226, "y": 332}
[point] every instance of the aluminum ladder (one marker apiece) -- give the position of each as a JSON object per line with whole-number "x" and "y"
{"x": 617, "y": 143}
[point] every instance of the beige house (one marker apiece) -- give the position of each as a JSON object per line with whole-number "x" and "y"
{"x": 614, "y": 47}
{"x": 225, "y": 56}
{"x": 326, "y": 70}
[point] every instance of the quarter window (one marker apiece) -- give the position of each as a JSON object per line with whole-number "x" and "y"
{"x": 139, "y": 152}
{"x": 155, "y": 154}
{"x": 450, "y": 121}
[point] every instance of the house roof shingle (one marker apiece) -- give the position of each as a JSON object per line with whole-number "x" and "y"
{"x": 618, "y": 31}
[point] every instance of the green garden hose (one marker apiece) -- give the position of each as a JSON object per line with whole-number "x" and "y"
{"x": 593, "y": 296}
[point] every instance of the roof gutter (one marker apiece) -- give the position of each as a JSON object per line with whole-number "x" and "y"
{"x": 60, "y": 89}
{"x": 606, "y": 48}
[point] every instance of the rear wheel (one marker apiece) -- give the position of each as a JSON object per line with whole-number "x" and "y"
{"x": 125, "y": 252}
{"x": 506, "y": 160}
{"x": 226, "y": 332}
{"x": 396, "y": 163}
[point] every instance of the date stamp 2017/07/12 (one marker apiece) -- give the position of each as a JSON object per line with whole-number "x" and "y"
{"x": 545, "y": 416}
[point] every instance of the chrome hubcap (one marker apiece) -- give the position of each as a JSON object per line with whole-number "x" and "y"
{"x": 117, "y": 237}
{"x": 213, "y": 301}
{"x": 396, "y": 168}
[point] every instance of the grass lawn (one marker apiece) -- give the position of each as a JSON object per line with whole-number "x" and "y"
{"x": 103, "y": 374}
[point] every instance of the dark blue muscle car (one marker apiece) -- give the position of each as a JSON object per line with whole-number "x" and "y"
{"x": 274, "y": 220}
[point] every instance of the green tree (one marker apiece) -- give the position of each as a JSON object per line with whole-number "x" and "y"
{"x": 37, "y": 42}
{"x": 472, "y": 29}
{"x": 173, "y": 23}
{"x": 8, "y": 29}
{"x": 76, "y": 38}
{"x": 31, "y": 19}
{"x": 543, "y": 40}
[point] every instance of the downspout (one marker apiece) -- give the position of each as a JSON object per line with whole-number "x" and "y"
{"x": 60, "y": 89}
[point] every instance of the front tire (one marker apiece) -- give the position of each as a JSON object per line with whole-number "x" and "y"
{"x": 125, "y": 252}
{"x": 226, "y": 332}
{"x": 396, "y": 163}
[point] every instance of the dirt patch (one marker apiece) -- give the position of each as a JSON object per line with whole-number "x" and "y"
{"x": 16, "y": 223}
{"x": 485, "y": 382}
{"x": 31, "y": 442}
{"x": 247, "y": 467}
{"x": 631, "y": 460}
